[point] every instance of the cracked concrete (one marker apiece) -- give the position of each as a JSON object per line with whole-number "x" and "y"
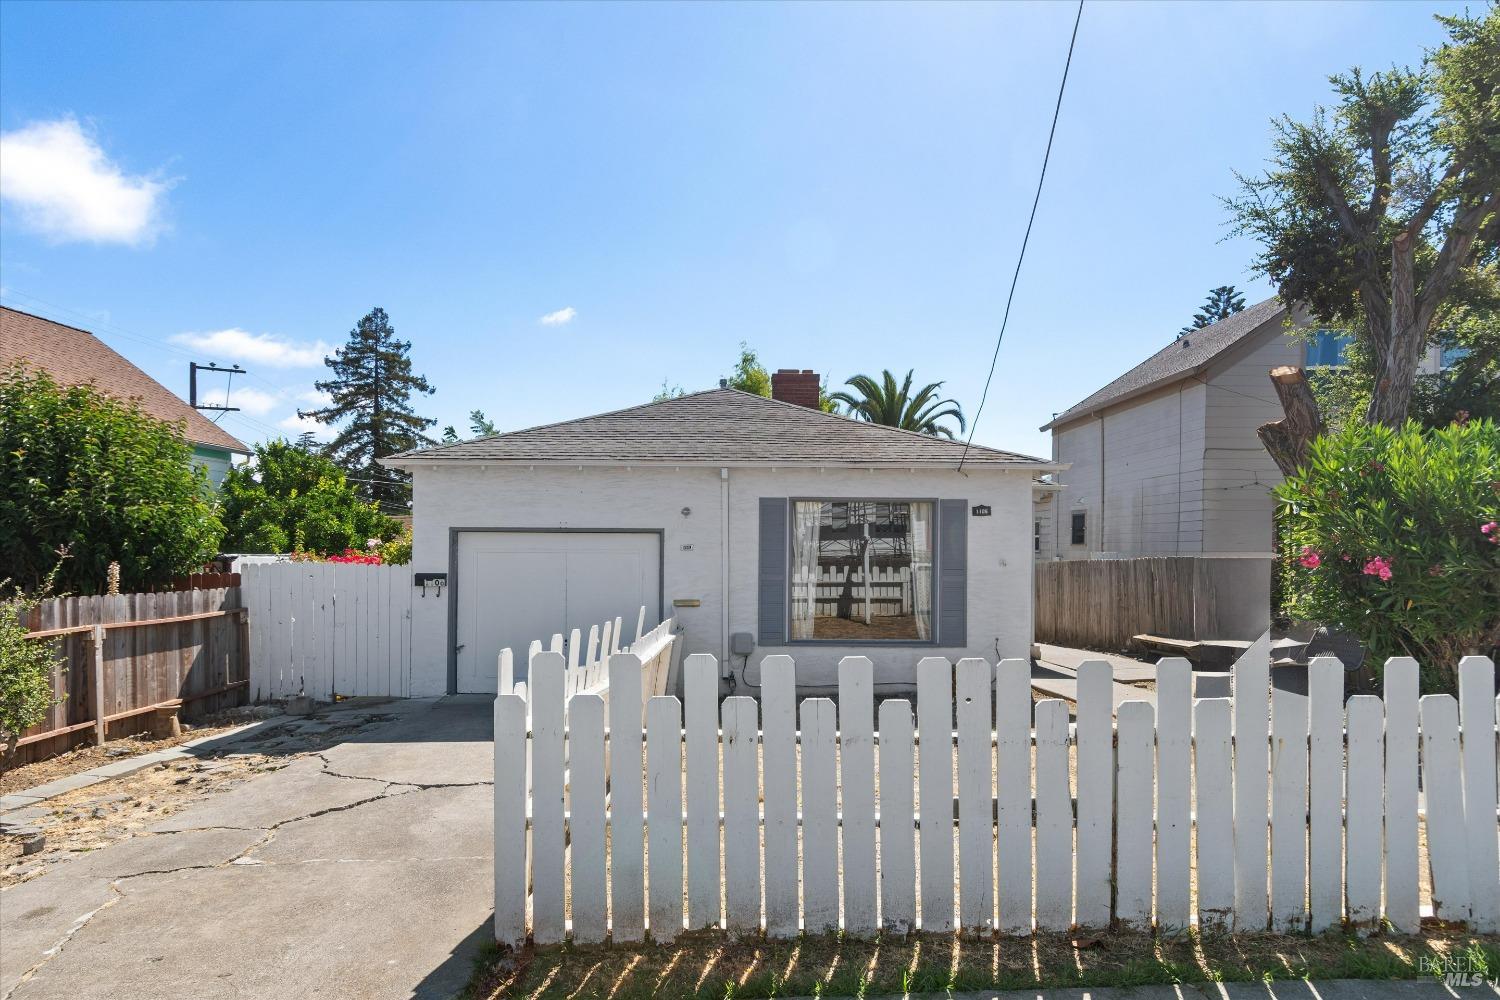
{"x": 359, "y": 870}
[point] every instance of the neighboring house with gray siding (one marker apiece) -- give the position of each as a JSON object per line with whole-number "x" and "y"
{"x": 755, "y": 523}
{"x": 1164, "y": 460}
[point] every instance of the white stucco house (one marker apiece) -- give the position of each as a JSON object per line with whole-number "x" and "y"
{"x": 756, "y": 523}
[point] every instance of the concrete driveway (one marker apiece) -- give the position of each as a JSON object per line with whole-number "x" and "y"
{"x": 361, "y": 869}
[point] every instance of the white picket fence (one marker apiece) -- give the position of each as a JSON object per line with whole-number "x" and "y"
{"x": 326, "y": 628}
{"x": 1305, "y": 809}
{"x": 585, "y": 670}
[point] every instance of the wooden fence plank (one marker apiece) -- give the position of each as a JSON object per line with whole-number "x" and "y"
{"x": 898, "y": 897}
{"x": 627, "y": 835}
{"x": 1096, "y": 778}
{"x": 741, "y": 815}
{"x": 548, "y": 834}
{"x": 1013, "y": 788}
{"x": 856, "y": 715}
{"x": 586, "y": 819}
{"x": 820, "y": 844}
{"x": 510, "y": 820}
{"x": 702, "y": 714}
{"x": 1364, "y": 808}
{"x": 1325, "y": 706}
{"x": 1402, "y": 902}
{"x": 1476, "y": 709}
{"x": 1054, "y": 818}
{"x": 935, "y": 791}
{"x": 1174, "y": 749}
{"x": 976, "y": 855}
{"x": 1214, "y": 808}
{"x": 778, "y": 703}
{"x": 664, "y": 816}
{"x": 1252, "y": 681}
{"x": 1442, "y": 781}
{"x": 1135, "y": 778}
{"x": 1288, "y": 811}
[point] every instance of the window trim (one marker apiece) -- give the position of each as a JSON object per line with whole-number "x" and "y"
{"x": 791, "y": 514}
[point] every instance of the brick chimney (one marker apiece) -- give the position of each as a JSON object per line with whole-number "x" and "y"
{"x": 792, "y": 386}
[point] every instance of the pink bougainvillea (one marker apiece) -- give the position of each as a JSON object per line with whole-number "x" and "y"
{"x": 1311, "y": 558}
{"x": 361, "y": 558}
{"x": 1379, "y": 566}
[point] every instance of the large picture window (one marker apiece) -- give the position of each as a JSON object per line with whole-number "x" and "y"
{"x": 861, "y": 570}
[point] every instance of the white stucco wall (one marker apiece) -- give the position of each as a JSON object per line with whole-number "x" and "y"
{"x": 472, "y": 495}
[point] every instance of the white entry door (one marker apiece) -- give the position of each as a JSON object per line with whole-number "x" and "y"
{"x": 516, "y": 586}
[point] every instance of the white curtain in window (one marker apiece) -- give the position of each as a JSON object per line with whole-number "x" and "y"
{"x": 806, "y": 516}
{"x": 921, "y": 568}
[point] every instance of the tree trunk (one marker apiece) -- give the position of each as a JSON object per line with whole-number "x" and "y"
{"x": 1396, "y": 373}
{"x": 1289, "y": 438}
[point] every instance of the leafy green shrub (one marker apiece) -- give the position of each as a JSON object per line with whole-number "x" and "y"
{"x": 25, "y": 671}
{"x": 1396, "y": 535}
{"x": 293, "y": 500}
{"x": 90, "y": 473}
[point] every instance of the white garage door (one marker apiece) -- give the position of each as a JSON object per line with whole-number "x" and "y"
{"x": 516, "y": 586}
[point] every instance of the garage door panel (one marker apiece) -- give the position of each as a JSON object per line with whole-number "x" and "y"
{"x": 514, "y": 587}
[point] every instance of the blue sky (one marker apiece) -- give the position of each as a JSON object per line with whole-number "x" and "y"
{"x": 844, "y": 187}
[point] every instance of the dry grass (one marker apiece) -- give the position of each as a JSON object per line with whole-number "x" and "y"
{"x": 707, "y": 965}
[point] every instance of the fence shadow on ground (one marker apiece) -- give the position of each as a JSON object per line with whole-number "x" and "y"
{"x": 706, "y": 965}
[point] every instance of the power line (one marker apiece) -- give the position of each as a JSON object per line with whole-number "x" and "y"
{"x": 1047, "y": 156}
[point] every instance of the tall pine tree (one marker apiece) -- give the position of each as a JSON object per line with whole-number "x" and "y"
{"x": 1222, "y": 303}
{"x": 371, "y": 391}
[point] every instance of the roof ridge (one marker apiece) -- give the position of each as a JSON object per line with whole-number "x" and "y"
{"x": 885, "y": 427}
{"x": 1217, "y": 328}
{"x": 559, "y": 423}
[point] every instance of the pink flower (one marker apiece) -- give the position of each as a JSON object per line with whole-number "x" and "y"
{"x": 1310, "y": 557}
{"x": 1379, "y": 566}
{"x": 1491, "y": 529}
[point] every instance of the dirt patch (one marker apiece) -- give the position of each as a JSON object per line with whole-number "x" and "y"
{"x": 88, "y": 756}
{"x": 90, "y": 818}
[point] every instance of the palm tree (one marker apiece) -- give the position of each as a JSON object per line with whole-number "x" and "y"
{"x": 886, "y": 403}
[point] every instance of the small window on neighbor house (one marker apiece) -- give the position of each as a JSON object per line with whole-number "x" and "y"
{"x": 1036, "y": 536}
{"x": 1080, "y": 527}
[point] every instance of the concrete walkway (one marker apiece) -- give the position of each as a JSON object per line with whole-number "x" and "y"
{"x": 361, "y": 870}
{"x": 1338, "y": 989}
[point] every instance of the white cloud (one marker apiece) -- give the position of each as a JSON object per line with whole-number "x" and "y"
{"x": 252, "y": 401}
{"x": 562, "y": 317}
{"x": 65, "y": 188}
{"x": 257, "y": 348}
{"x": 314, "y": 399}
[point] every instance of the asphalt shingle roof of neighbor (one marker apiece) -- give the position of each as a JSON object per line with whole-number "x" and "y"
{"x": 719, "y": 425}
{"x": 76, "y": 357}
{"x": 1177, "y": 359}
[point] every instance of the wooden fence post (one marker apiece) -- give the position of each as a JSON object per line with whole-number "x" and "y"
{"x": 98, "y": 681}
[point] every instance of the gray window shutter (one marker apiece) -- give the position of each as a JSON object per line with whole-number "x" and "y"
{"x": 953, "y": 572}
{"x": 771, "y": 591}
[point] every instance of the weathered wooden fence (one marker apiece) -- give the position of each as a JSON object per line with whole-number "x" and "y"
{"x": 328, "y": 628}
{"x": 121, "y": 656}
{"x": 1101, "y": 603}
{"x": 1305, "y": 809}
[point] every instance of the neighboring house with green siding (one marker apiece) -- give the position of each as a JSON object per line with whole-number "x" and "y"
{"x": 76, "y": 357}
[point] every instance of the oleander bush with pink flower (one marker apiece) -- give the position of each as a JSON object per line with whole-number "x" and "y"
{"x": 1395, "y": 537}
